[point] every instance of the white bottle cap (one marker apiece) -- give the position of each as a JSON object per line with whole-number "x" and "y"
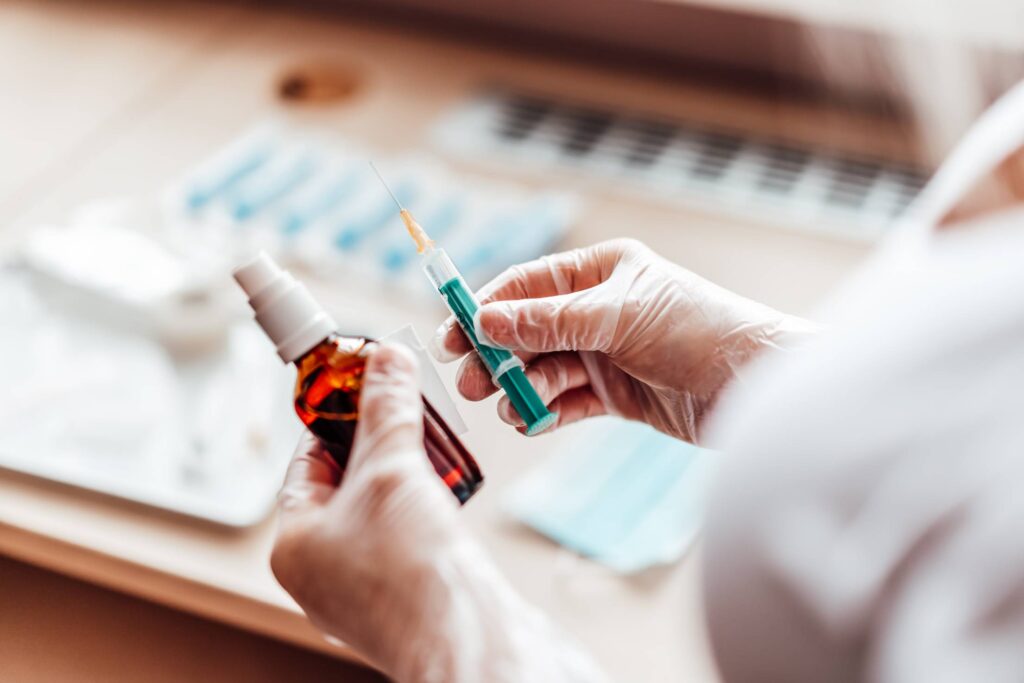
{"x": 284, "y": 308}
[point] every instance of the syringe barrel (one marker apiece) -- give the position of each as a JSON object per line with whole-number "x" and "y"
{"x": 506, "y": 368}
{"x": 439, "y": 268}
{"x": 463, "y": 305}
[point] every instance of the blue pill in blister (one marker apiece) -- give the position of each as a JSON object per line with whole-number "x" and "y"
{"x": 355, "y": 231}
{"x": 396, "y": 259}
{"x": 268, "y": 187}
{"x": 226, "y": 177}
{"x": 339, "y": 188}
{"x": 535, "y": 227}
{"x": 445, "y": 217}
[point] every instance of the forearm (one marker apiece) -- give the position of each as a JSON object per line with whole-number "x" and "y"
{"x": 480, "y": 629}
{"x": 759, "y": 332}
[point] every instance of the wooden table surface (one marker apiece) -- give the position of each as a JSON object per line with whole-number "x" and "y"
{"x": 113, "y": 98}
{"x": 54, "y": 630}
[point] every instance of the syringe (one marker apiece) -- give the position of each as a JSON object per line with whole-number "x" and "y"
{"x": 506, "y": 368}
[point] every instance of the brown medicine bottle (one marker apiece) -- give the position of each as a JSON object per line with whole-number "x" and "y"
{"x": 330, "y": 373}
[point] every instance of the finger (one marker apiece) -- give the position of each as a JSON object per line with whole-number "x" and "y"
{"x": 573, "y": 406}
{"x": 390, "y": 407}
{"x": 474, "y": 380}
{"x": 562, "y": 273}
{"x": 462, "y": 346}
{"x": 311, "y": 479}
{"x": 551, "y": 375}
{"x": 581, "y": 321}
{"x": 449, "y": 342}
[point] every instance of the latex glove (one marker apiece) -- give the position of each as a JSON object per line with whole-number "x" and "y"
{"x": 616, "y": 329}
{"x": 382, "y": 561}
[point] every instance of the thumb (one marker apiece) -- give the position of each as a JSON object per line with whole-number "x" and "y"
{"x": 390, "y": 408}
{"x": 581, "y": 321}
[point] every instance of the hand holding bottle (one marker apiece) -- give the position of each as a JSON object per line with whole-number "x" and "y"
{"x": 383, "y": 562}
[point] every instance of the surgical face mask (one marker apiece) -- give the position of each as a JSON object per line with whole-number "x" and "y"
{"x": 619, "y": 492}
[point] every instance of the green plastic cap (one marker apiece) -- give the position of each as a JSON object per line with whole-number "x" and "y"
{"x": 526, "y": 401}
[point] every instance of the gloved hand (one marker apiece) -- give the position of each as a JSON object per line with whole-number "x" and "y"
{"x": 381, "y": 560}
{"x": 616, "y": 329}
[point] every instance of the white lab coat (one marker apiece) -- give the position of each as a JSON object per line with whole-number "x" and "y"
{"x": 868, "y": 524}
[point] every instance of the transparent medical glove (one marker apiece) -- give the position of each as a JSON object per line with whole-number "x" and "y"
{"x": 382, "y": 561}
{"x": 616, "y": 329}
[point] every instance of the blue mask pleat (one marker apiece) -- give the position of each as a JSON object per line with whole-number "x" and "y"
{"x": 630, "y": 497}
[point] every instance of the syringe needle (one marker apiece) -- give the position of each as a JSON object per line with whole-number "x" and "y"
{"x": 416, "y": 231}
{"x": 381, "y": 179}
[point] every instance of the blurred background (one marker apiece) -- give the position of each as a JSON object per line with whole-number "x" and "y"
{"x": 149, "y": 148}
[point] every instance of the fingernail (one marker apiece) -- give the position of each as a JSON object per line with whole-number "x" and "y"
{"x": 497, "y": 321}
{"x": 369, "y": 349}
{"x": 436, "y": 344}
{"x": 508, "y": 414}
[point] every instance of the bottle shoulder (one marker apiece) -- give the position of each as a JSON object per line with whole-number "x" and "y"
{"x": 336, "y": 351}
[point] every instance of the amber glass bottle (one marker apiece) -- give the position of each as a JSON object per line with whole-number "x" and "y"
{"x": 330, "y": 373}
{"x": 327, "y": 401}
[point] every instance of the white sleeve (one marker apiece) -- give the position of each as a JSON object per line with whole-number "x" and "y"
{"x": 868, "y": 523}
